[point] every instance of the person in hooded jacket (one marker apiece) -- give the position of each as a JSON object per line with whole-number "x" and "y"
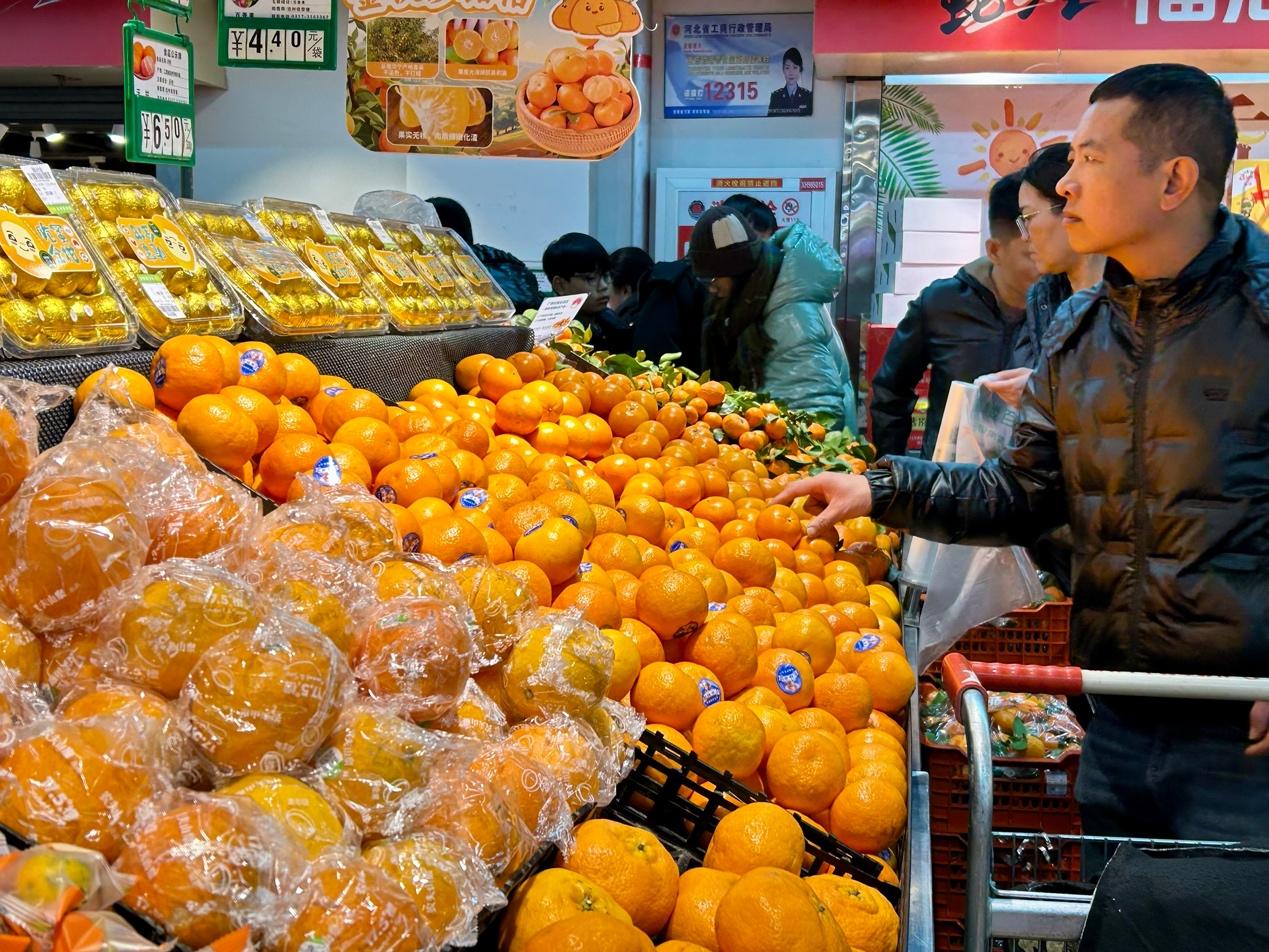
{"x": 512, "y": 274}
{"x": 767, "y": 328}
{"x": 960, "y": 327}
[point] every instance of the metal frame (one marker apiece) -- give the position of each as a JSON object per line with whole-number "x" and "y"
{"x": 918, "y": 879}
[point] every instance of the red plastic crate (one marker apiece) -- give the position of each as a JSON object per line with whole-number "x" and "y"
{"x": 1015, "y": 865}
{"x": 1027, "y": 636}
{"x": 1026, "y": 794}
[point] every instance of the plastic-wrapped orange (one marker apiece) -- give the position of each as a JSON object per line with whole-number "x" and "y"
{"x": 560, "y": 664}
{"x": 200, "y": 513}
{"x": 266, "y": 699}
{"x": 151, "y": 716}
{"x": 498, "y": 600}
{"x": 19, "y": 649}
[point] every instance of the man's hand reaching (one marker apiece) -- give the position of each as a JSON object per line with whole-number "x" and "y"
{"x": 837, "y": 496}
{"x": 1007, "y": 384}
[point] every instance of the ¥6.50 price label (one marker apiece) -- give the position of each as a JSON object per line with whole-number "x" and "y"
{"x": 167, "y": 136}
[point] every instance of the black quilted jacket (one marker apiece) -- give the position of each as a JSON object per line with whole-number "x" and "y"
{"x": 1147, "y": 426}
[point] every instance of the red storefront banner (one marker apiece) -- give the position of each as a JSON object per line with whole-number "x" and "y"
{"x": 856, "y": 37}
{"x": 66, "y": 33}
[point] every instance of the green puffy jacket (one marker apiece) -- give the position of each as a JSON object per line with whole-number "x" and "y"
{"x": 806, "y": 367}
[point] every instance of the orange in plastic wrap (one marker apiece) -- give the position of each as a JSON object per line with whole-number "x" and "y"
{"x": 20, "y": 401}
{"x": 205, "y": 866}
{"x": 334, "y": 520}
{"x": 532, "y": 791}
{"x": 559, "y": 664}
{"x": 326, "y": 592}
{"x": 162, "y": 620}
{"x": 78, "y": 783}
{"x": 19, "y": 649}
{"x": 446, "y": 880}
{"x": 299, "y": 809}
{"x": 266, "y": 699}
{"x": 414, "y": 576}
{"x": 69, "y": 661}
{"x": 200, "y": 513}
{"x": 154, "y": 432}
{"x": 569, "y": 749}
{"x": 415, "y": 655}
{"x": 346, "y": 903}
{"x": 149, "y": 714}
{"x": 498, "y": 600}
{"x": 71, "y": 533}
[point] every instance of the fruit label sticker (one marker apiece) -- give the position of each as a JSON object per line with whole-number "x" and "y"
{"x": 41, "y": 180}
{"x": 161, "y": 297}
{"x": 251, "y": 362}
{"x": 385, "y": 238}
{"x": 434, "y": 272}
{"x": 277, "y": 34}
{"x": 787, "y": 678}
{"x": 710, "y": 691}
{"x": 392, "y": 265}
{"x": 157, "y": 242}
{"x": 471, "y": 269}
{"x": 324, "y": 222}
{"x": 865, "y": 643}
{"x": 330, "y": 263}
{"x": 328, "y": 472}
{"x": 42, "y": 245}
{"x": 158, "y": 95}
{"x": 269, "y": 262}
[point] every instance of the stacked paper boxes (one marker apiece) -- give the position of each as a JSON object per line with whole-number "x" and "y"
{"x": 923, "y": 240}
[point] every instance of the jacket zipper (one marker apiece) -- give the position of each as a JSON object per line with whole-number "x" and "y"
{"x": 1141, "y": 514}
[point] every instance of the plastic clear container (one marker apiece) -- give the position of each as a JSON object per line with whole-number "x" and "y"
{"x": 168, "y": 289}
{"x": 53, "y": 299}
{"x": 448, "y": 265}
{"x": 309, "y": 232}
{"x": 413, "y": 304}
{"x": 281, "y": 295}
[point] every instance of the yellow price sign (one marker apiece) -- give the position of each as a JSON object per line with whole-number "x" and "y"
{"x": 42, "y": 245}
{"x": 330, "y": 263}
{"x": 157, "y": 242}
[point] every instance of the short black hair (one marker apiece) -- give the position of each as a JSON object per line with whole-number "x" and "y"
{"x": 791, "y": 55}
{"x": 574, "y": 254}
{"x": 1047, "y": 167}
{"x": 1181, "y": 110}
{"x": 1002, "y": 207}
{"x": 628, "y": 266}
{"x": 453, "y": 215}
{"x": 755, "y": 211}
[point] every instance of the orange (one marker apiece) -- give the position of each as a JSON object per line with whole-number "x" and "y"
{"x": 641, "y": 446}
{"x": 405, "y": 482}
{"x": 505, "y": 461}
{"x": 886, "y": 723}
{"x": 847, "y": 697}
{"x": 555, "y": 546}
{"x": 413, "y": 654}
{"x": 595, "y": 603}
{"x": 774, "y": 909}
{"x": 549, "y": 396}
{"x": 776, "y": 723}
{"x": 753, "y": 609}
{"x": 845, "y": 587}
{"x": 626, "y": 662}
{"x": 866, "y": 918}
{"x": 738, "y": 529}
{"x": 805, "y": 632}
{"x": 728, "y": 646}
{"x": 450, "y": 539}
{"x": 470, "y": 436}
{"x": 19, "y": 649}
{"x": 788, "y": 674}
{"x": 348, "y": 903}
{"x": 128, "y": 383}
{"x": 781, "y": 523}
{"x": 302, "y": 379}
{"x": 350, "y": 468}
{"x": 518, "y": 412}
{"x": 871, "y": 735}
{"x": 549, "y": 897}
{"x": 532, "y": 577}
{"x": 573, "y": 507}
{"x": 586, "y": 931}
{"x": 616, "y": 470}
{"x": 406, "y": 425}
{"x": 816, "y": 594}
{"x": 614, "y": 551}
{"x": 869, "y": 816}
{"x": 750, "y": 561}
{"x": 520, "y": 518}
{"x": 218, "y": 430}
{"x": 632, "y": 865}
{"x": 498, "y": 600}
{"x": 186, "y": 367}
{"x": 262, "y": 413}
{"x": 731, "y": 737}
{"x": 626, "y": 417}
{"x": 559, "y": 664}
{"x": 329, "y": 389}
{"x": 859, "y": 616}
{"x": 883, "y": 770}
{"x": 763, "y": 697}
{"x": 351, "y": 404}
{"x": 673, "y": 604}
{"x": 891, "y": 679}
{"x": 299, "y": 809}
{"x": 805, "y": 771}
{"x": 757, "y": 834}
{"x": 467, "y": 370}
{"x": 700, "y": 892}
{"x": 854, "y": 647}
{"x": 815, "y": 718}
{"x": 529, "y": 365}
{"x": 781, "y": 552}
{"x": 644, "y": 484}
{"x": 293, "y": 419}
{"x": 650, "y": 647}
{"x": 373, "y": 438}
{"x": 497, "y": 378}
{"x": 228, "y": 356}
{"x": 260, "y": 368}
{"x": 644, "y": 516}
{"x": 666, "y": 695}
{"x": 445, "y": 470}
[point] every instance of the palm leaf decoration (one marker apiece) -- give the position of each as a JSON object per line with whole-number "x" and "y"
{"x": 906, "y": 167}
{"x": 905, "y": 107}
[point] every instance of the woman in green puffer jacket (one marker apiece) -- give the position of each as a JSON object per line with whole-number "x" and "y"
{"x": 767, "y": 327}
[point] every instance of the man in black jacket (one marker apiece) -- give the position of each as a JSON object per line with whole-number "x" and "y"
{"x": 960, "y": 327}
{"x": 1147, "y": 426}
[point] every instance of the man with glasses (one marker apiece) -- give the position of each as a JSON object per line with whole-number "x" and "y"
{"x": 960, "y": 327}
{"x": 578, "y": 264}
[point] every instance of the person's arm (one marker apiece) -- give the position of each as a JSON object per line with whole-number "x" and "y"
{"x": 1007, "y": 501}
{"x": 894, "y": 386}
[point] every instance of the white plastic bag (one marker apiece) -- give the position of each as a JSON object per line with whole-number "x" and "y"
{"x": 968, "y": 585}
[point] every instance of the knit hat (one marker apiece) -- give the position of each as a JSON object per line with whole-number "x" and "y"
{"x": 723, "y": 245}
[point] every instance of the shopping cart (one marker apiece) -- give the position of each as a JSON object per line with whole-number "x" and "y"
{"x": 1050, "y": 920}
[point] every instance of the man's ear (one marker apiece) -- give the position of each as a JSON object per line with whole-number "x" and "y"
{"x": 994, "y": 247}
{"x": 559, "y": 285}
{"x": 1182, "y": 179}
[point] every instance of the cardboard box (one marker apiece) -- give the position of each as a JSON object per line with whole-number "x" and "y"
{"x": 894, "y": 307}
{"x": 913, "y": 279}
{"x": 942, "y": 214}
{"x": 941, "y": 247}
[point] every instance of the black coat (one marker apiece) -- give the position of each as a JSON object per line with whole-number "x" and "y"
{"x": 512, "y": 275}
{"x": 667, "y": 312}
{"x": 1043, "y": 300}
{"x": 1147, "y": 426}
{"x": 956, "y": 328}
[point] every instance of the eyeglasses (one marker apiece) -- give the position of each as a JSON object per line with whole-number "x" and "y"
{"x": 1024, "y": 221}
{"x": 593, "y": 280}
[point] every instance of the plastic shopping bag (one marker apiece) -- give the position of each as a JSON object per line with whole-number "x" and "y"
{"x": 969, "y": 585}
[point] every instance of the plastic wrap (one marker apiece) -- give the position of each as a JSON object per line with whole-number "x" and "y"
{"x": 72, "y": 531}
{"x": 343, "y": 902}
{"x": 155, "y": 268}
{"x": 445, "y": 878}
{"x": 445, "y": 262}
{"x": 1023, "y": 726}
{"x": 559, "y": 664}
{"x": 22, "y": 702}
{"x": 309, "y": 232}
{"x": 498, "y": 601}
{"x": 159, "y": 622}
{"x": 21, "y": 402}
{"x": 80, "y": 782}
{"x": 19, "y": 648}
{"x": 301, "y": 807}
{"x": 403, "y": 206}
{"x": 413, "y": 655}
{"x": 619, "y": 728}
{"x": 332, "y": 520}
{"x": 52, "y": 296}
{"x": 205, "y": 865}
{"x": 39, "y": 885}
{"x": 151, "y": 714}
{"x": 266, "y": 700}
{"x": 535, "y": 794}
{"x": 202, "y": 514}
{"x": 328, "y": 592}
{"x": 572, "y": 752}
{"x": 281, "y": 294}
{"x": 476, "y": 715}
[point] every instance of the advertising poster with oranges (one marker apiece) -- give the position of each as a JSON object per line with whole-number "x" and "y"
{"x": 508, "y": 78}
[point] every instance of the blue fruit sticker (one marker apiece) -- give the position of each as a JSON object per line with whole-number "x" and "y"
{"x": 788, "y": 679}
{"x": 584, "y": 567}
{"x": 866, "y": 643}
{"x": 711, "y": 692}
{"x": 328, "y": 472}
{"x": 678, "y": 544}
{"x": 160, "y": 372}
{"x": 251, "y": 361}
{"x": 411, "y": 542}
{"x": 386, "y": 494}
{"x": 717, "y": 606}
{"x": 473, "y": 498}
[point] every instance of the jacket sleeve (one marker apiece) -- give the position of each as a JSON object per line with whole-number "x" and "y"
{"x": 894, "y": 386}
{"x": 1005, "y": 501}
{"x": 801, "y": 369}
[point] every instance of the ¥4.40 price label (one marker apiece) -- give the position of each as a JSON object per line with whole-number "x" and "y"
{"x": 158, "y": 95}
{"x": 286, "y": 34}
{"x": 263, "y": 45}
{"x": 168, "y": 136}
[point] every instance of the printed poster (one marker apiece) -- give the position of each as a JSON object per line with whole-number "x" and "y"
{"x": 506, "y": 78}
{"x": 728, "y": 67}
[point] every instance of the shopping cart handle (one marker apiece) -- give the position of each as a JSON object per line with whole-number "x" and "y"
{"x": 959, "y": 677}
{"x": 1030, "y": 678}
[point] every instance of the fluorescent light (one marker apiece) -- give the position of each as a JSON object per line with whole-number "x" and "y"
{"x": 51, "y": 135}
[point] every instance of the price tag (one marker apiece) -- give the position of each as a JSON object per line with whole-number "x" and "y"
{"x": 554, "y": 315}
{"x": 381, "y": 233}
{"x": 328, "y": 226}
{"x": 158, "y": 96}
{"x": 161, "y": 297}
{"x": 258, "y": 226}
{"x": 286, "y": 34}
{"x": 180, "y": 8}
{"x": 41, "y": 179}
